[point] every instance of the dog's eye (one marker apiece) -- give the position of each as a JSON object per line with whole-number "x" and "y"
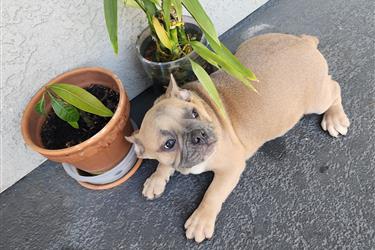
{"x": 194, "y": 114}
{"x": 170, "y": 144}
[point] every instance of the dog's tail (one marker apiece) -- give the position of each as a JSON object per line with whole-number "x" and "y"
{"x": 313, "y": 40}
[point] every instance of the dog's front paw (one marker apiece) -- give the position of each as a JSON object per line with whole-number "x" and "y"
{"x": 336, "y": 122}
{"x": 200, "y": 225}
{"x": 154, "y": 186}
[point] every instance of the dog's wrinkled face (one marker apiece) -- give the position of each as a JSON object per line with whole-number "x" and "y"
{"x": 177, "y": 131}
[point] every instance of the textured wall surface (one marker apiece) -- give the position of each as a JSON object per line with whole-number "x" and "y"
{"x": 43, "y": 38}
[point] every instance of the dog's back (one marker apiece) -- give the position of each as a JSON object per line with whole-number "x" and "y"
{"x": 290, "y": 70}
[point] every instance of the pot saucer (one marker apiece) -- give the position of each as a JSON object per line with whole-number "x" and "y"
{"x": 111, "y": 178}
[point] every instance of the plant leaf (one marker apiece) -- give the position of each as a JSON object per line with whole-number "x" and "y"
{"x": 39, "y": 107}
{"x": 204, "y": 22}
{"x": 215, "y": 59}
{"x": 63, "y": 110}
{"x": 178, "y": 7}
{"x": 157, "y": 2}
{"x": 221, "y": 50}
{"x": 150, "y": 7}
{"x": 237, "y": 64}
{"x": 216, "y": 46}
{"x": 182, "y": 35}
{"x": 224, "y": 62}
{"x": 110, "y": 14}
{"x": 161, "y": 33}
{"x": 205, "y": 53}
{"x": 131, "y": 3}
{"x": 208, "y": 85}
{"x": 80, "y": 98}
{"x": 74, "y": 124}
{"x": 166, "y": 14}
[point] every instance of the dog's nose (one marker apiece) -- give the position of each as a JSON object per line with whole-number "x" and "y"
{"x": 198, "y": 136}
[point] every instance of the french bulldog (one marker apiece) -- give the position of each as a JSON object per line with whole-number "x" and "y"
{"x": 186, "y": 132}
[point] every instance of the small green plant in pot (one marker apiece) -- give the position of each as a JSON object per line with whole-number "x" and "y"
{"x": 174, "y": 46}
{"x": 80, "y": 118}
{"x": 67, "y": 100}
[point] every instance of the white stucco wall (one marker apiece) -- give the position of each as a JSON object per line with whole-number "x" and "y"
{"x": 43, "y": 38}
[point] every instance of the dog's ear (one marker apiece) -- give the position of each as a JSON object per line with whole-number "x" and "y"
{"x": 139, "y": 148}
{"x": 174, "y": 91}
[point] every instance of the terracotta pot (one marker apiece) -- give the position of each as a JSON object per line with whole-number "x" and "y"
{"x": 102, "y": 151}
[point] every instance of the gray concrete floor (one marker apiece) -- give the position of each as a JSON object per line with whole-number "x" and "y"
{"x": 303, "y": 190}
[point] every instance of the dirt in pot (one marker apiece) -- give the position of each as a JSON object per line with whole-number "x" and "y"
{"x": 148, "y": 48}
{"x": 181, "y": 68}
{"x": 58, "y": 134}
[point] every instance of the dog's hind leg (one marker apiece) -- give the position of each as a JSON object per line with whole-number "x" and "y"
{"x": 328, "y": 102}
{"x": 334, "y": 119}
{"x": 312, "y": 40}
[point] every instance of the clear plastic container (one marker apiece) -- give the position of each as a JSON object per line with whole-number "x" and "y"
{"x": 159, "y": 72}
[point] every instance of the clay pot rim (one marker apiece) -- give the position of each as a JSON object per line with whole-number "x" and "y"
{"x": 92, "y": 140}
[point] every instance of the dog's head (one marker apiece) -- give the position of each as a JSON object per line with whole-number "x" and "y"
{"x": 177, "y": 131}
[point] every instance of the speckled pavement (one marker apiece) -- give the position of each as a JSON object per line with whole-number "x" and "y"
{"x": 304, "y": 190}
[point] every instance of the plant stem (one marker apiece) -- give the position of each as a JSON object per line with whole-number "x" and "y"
{"x": 140, "y": 5}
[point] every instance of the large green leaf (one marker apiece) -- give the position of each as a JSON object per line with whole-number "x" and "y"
{"x": 110, "y": 14}
{"x": 223, "y": 61}
{"x": 80, "y": 98}
{"x": 65, "y": 111}
{"x": 224, "y": 58}
{"x": 162, "y": 34}
{"x": 150, "y": 11}
{"x": 150, "y": 7}
{"x": 204, "y": 22}
{"x": 132, "y": 3}
{"x": 205, "y": 53}
{"x": 221, "y": 50}
{"x": 208, "y": 85}
{"x": 237, "y": 64}
{"x": 39, "y": 107}
{"x": 156, "y": 2}
{"x": 216, "y": 59}
{"x": 166, "y": 14}
{"x": 178, "y": 7}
